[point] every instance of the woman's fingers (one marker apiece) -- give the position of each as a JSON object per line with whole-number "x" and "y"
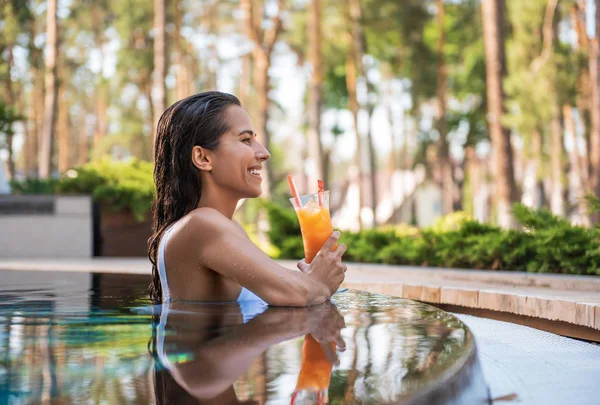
{"x": 339, "y": 342}
{"x": 303, "y": 266}
{"x": 328, "y": 246}
{"x": 330, "y": 353}
{"x": 341, "y": 249}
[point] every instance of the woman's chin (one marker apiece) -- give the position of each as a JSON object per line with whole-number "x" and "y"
{"x": 254, "y": 193}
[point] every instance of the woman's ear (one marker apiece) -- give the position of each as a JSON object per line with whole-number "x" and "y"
{"x": 201, "y": 159}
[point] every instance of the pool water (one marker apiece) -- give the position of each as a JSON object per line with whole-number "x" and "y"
{"x": 82, "y": 338}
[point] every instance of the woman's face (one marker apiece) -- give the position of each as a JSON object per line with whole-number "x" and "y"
{"x": 236, "y": 164}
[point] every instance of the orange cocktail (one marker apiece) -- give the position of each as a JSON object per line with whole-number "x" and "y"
{"x": 315, "y": 222}
{"x": 315, "y": 372}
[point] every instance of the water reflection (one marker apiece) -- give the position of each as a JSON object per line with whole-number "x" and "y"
{"x": 202, "y": 349}
{"x": 98, "y": 341}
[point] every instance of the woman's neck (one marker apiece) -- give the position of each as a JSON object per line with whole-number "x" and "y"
{"x": 219, "y": 201}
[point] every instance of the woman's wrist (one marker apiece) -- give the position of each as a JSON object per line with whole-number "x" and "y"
{"x": 320, "y": 293}
{"x": 294, "y": 321}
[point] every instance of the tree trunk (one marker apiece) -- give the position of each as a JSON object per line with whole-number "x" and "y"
{"x": 30, "y": 132}
{"x": 63, "y": 131}
{"x": 47, "y": 140}
{"x": 353, "y": 373}
{"x": 264, "y": 41}
{"x": 577, "y": 161}
{"x": 10, "y": 163}
{"x": 353, "y": 107}
{"x": 148, "y": 148}
{"x": 315, "y": 94}
{"x": 41, "y": 103}
{"x": 353, "y": 69}
{"x": 577, "y": 166}
{"x": 539, "y": 188}
{"x": 472, "y": 181}
{"x": 246, "y": 82}
{"x": 584, "y": 99}
{"x": 408, "y": 138}
{"x": 214, "y": 62}
{"x": 505, "y": 190}
{"x": 393, "y": 156}
{"x": 83, "y": 152}
{"x": 36, "y": 98}
{"x": 262, "y": 62}
{"x": 36, "y": 104}
{"x": 557, "y": 202}
{"x": 181, "y": 77}
{"x": 159, "y": 92}
{"x": 101, "y": 124}
{"x": 443, "y": 151}
{"x": 372, "y": 169}
{"x": 595, "y": 107}
{"x": 261, "y": 379}
{"x": 327, "y": 170}
{"x": 19, "y": 163}
{"x": 577, "y": 12}
{"x": 101, "y": 117}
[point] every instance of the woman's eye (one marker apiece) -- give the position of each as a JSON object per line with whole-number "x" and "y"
{"x": 247, "y": 140}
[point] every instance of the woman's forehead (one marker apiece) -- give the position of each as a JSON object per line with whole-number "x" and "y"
{"x": 238, "y": 118}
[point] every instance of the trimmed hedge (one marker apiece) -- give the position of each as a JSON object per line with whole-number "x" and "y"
{"x": 545, "y": 244}
{"x": 119, "y": 186}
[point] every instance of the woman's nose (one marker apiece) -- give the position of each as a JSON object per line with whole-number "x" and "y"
{"x": 262, "y": 153}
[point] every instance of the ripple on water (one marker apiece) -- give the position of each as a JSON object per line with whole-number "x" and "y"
{"x": 100, "y": 331}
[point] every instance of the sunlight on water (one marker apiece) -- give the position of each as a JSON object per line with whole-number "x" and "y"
{"x": 82, "y": 338}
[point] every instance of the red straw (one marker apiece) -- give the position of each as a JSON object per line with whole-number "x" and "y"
{"x": 294, "y": 190}
{"x": 321, "y": 189}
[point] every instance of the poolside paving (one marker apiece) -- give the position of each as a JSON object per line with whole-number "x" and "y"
{"x": 572, "y": 299}
{"x": 526, "y": 366}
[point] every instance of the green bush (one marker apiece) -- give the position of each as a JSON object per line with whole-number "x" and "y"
{"x": 34, "y": 186}
{"x": 546, "y": 244}
{"x": 118, "y": 186}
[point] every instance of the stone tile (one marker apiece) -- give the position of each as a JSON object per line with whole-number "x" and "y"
{"x": 584, "y": 314}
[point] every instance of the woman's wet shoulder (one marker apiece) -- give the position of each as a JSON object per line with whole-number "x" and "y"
{"x": 205, "y": 218}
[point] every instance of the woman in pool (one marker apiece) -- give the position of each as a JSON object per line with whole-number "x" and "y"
{"x": 207, "y": 159}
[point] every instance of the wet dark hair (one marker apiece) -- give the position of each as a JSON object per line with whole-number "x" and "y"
{"x": 197, "y": 120}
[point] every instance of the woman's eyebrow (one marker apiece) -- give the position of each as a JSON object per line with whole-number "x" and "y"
{"x": 247, "y": 131}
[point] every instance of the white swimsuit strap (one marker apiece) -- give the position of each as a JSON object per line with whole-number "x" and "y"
{"x": 160, "y": 337}
{"x": 162, "y": 269}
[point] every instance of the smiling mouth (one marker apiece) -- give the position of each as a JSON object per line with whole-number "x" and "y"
{"x": 255, "y": 173}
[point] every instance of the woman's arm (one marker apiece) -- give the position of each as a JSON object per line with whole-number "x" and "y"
{"x": 219, "y": 362}
{"x": 224, "y": 248}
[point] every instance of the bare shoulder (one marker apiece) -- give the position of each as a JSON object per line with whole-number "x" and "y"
{"x": 241, "y": 228}
{"x": 206, "y": 219}
{"x": 203, "y": 223}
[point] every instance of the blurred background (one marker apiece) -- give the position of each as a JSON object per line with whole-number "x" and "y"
{"x": 407, "y": 109}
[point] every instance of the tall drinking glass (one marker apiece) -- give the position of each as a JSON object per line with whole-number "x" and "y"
{"x": 315, "y": 222}
{"x": 315, "y": 373}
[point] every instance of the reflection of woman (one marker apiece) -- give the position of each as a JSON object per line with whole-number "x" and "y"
{"x": 207, "y": 159}
{"x": 202, "y": 349}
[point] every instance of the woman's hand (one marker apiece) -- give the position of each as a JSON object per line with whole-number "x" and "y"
{"x": 325, "y": 324}
{"x": 327, "y": 266}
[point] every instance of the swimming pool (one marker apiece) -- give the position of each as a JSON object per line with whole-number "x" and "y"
{"x": 86, "y": 338}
